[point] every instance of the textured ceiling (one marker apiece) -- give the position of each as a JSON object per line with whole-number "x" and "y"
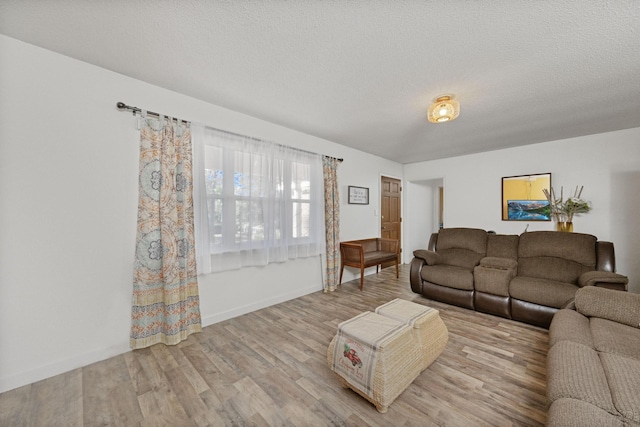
{"x": 362, "y": 73}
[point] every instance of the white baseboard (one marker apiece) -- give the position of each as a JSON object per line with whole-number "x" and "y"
{"x": 61, "y": 366}
{"x": 257, "y": 305}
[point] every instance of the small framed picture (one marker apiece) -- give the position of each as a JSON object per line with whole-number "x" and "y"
{"x": 358, "y": 195}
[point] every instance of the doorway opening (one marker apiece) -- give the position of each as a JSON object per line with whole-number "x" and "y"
{"x": 425, "y": 212}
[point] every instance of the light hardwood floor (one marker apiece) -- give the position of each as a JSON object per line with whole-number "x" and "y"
{"x": 269, "y": 368}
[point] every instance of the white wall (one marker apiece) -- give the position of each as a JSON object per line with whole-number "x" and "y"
{"x": 421, "y": 218}
{"x": 68, "y": 200}
{"x": 608, "y": 165}
{"x": 68, "y": 194}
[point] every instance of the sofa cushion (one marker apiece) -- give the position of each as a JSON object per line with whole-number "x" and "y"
{"x": 569, "y": 325}
{"x": 462, "y": 247}
{"x": 460, "y": 257}
{"x": 473, "y": 239}
{"x": 567, "y": 412}
{"x": 499, "y": 263}
{"x": 623, "y": 375}
{"x": 449, "y": 276}
{"x": 558, "y": 269}
{"x": 503, "y": 245}
{"x": 576, "y": 247}
{"x": 543, "y": 292}
{"x": 556, "y": 256}
{"x": 614, "y": 337}
{"x": 618, "y": 306}
{"x": 575, "y": 371}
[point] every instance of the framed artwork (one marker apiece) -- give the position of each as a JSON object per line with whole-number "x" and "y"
{"x": 358, "y": 195}
{"x": 523, "y": 197}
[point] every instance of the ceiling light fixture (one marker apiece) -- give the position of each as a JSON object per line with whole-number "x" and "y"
{"x": 443, "y": 109}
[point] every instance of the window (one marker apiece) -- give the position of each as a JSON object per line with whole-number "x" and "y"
{"x": 260, "y": 202}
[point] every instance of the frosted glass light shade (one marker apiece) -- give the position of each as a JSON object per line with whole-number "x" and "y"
{"x": 443, "y": 109}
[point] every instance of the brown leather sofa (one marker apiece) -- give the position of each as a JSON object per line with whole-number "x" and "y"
{"x": 527, "y": 278}
{"x": 444, "y": 272}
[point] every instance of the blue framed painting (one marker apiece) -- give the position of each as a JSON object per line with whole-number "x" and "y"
{"x": 524, "y": 199}
{"x": 528, "y": 210}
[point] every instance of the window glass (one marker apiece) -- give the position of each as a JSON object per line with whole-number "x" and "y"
{"x": 264, "y": 202}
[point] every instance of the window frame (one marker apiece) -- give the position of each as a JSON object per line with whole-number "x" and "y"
{"x": 292, "y": 238}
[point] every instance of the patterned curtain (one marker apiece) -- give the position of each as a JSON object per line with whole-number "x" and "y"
{"x": 166, "y": 305}
{"x": 332, "y": 222}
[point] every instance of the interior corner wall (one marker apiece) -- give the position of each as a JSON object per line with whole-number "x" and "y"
{"x": 358, "y": 221}
{"x": 607, "y": 165}
{"x": 420, "y": 218}
{"x": 68, "y": 189}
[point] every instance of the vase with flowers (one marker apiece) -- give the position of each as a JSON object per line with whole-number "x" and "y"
{"x": 562, "y": 211}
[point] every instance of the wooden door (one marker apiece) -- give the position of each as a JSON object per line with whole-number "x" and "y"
{"x": 390, "y": 213}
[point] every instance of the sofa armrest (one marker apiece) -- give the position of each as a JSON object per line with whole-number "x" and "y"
{"x": 604, "y": 279}
{"x": 605, "y": 256}
{"x": 433, "y": 241}
{"x": 499, "y": 263}
{"x": 430, "y": 257}
{"x": 621, "y": 307}
{"x": 414, "y": 274}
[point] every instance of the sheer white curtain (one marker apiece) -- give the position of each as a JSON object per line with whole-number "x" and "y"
{"x": 255, "y": 202}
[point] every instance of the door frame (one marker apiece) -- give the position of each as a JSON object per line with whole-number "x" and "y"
{"x": 379, "y": 209}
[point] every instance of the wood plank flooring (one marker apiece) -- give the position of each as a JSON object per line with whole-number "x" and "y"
{"x": 268, "y": 368}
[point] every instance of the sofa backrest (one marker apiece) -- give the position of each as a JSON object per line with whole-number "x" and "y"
{"x": 462, "y": 247}
{"x": 555, "y": 255}
{"x": 503, "y": 245}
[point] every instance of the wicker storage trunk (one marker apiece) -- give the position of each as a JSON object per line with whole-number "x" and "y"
{"x": 389, "y": 349}
{"x": 428, "y": 328}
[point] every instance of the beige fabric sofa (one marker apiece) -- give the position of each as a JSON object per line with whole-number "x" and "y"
{"x": 593, "y": 364}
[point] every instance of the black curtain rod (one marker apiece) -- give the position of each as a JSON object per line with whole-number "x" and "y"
{"x": 122, "y": 106}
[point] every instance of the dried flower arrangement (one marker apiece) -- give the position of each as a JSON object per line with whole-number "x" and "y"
{"x": 564, "y": 210}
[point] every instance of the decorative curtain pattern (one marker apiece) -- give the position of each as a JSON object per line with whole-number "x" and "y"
{"x": 332, "y": 222}
{"x": 166, "y": 305}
